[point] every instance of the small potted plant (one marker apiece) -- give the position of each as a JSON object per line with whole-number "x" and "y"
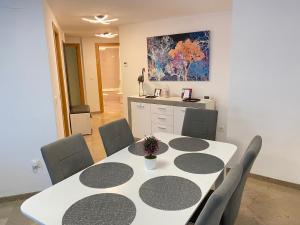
{"x": 150, "y": 147}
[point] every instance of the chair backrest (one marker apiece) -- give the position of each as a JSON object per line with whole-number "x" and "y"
{"x": 116, "y": 136}
{"x": 217, "y": 202}
{"x": 66, "y": 157}
{"x": 200, "y": 123}
{"x": 247, "y": 161}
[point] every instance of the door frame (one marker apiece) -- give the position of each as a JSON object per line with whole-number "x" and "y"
{"x": 98, "y": 66}
{"x": 61, "y": 81}
{"x": 80, "y": 71}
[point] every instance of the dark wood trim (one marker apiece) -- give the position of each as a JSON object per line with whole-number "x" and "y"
{"x": 80, "y": 71}
{"x": 17, "y": 197}
{"x": 98, "y": 66}
{"x": 61, "y": 80}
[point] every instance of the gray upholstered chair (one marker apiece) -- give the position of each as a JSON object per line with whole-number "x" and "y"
{"x": 200, "y": 123}
{"x": 66, "y": 157}
{"x": 247, "y": 161}
{"x": 217, "y": 202}
{"x": 116, "y": 136}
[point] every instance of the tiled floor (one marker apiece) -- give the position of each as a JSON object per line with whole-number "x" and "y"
{"x": 113, "y": 110}
{"x": 263, "y": 203}
{"x": 266, "y": 203}
{"x": 10, "y": 214}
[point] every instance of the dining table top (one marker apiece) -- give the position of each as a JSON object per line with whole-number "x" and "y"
{"x": 168, "y": 194}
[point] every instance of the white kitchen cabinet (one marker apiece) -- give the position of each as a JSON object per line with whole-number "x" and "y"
{"x": 141, "y": 122}
{"x": 179, "y": 113}
{"x": 148, "y": 116}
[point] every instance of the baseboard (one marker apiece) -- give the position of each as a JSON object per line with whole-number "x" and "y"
{"x": 272, "y": 180}
{"x": 275, "y": 181}
{"x": 17, "y": 197}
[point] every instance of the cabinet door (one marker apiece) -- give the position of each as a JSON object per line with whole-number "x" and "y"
{"x": 179, "y": 113}
{"x": 141, "y": 119}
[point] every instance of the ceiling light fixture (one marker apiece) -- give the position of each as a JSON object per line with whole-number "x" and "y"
{"x": 100, "y": 19}
{"x": 106, "y": 35}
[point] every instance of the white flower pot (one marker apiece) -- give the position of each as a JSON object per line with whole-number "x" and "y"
{"x": 150, "y": 163}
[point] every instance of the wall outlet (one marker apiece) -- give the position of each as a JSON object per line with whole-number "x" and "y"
{"x": 221, "y": 129}
{"x": 36, "y": 164}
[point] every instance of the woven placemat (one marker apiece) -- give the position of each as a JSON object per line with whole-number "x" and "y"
{"x": 199, "y": 163}
{"x": 106, "y": 175}
{"x": 170, "y": 193}
{"x": 101, "y": 209}
{"x": 189, "y": 144}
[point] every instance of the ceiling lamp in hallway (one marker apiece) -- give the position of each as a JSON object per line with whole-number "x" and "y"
{"x": 103, "y": 19}
{"x": 106, "y": 35}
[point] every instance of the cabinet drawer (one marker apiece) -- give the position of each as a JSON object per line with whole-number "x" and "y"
{"x": 162, "y": 109}
{"x": 162, "y": 119}
{"x": 162, "y": 128}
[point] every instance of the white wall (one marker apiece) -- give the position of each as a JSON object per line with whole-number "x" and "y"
{"x": 90, "y": 69}
{"x": 27, "y": 114}
{"x": 265, "y": 80}
{"x": 133, "y": 50}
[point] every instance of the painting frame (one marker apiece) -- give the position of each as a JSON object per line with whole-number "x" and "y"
{"x": 179, "y": 57}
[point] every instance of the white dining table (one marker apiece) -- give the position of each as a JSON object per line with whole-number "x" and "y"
{"x": 49, "y": 206}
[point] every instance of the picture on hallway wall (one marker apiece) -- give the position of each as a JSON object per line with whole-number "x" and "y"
{"x": 179, "y": 57}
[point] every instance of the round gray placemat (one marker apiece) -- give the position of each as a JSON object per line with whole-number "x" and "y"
{"x": 170, "y": 193}
{"x": 199, "y": 163}
{"x": 101, "y": 209}
{"x": 189, "y": 144}
{"x": 138, "y": 148}
{"x": 106, "y": 175}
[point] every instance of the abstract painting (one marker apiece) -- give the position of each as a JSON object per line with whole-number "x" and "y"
{"x": 179, "y": 57}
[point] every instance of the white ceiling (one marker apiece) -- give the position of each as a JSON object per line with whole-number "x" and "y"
{"x": 69, "y": 12}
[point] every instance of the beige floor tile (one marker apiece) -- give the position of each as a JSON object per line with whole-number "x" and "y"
{"x": 3, "y": 221}
{"x": 266, "y": 203}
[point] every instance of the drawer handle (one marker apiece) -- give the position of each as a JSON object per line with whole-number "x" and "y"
{"x": 162, "y": 108}
{"x": 162, "y": 118}
{"x": 163, "y": 128}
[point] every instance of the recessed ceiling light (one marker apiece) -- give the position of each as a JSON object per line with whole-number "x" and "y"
{"x": 106, "y": 35}
{"x": 103, "y": 19}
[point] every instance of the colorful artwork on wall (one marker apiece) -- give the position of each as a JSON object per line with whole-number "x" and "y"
{"x": 179, "y": 57}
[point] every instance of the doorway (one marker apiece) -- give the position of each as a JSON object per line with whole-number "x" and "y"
{"x": 110, "y": 95}
{"x": 109, "y": 80}
{"x": 73, "y": 64}
{"x": 61, "y": 82}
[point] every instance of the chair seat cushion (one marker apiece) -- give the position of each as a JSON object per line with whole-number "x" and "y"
{"x": 80, "y": 109}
